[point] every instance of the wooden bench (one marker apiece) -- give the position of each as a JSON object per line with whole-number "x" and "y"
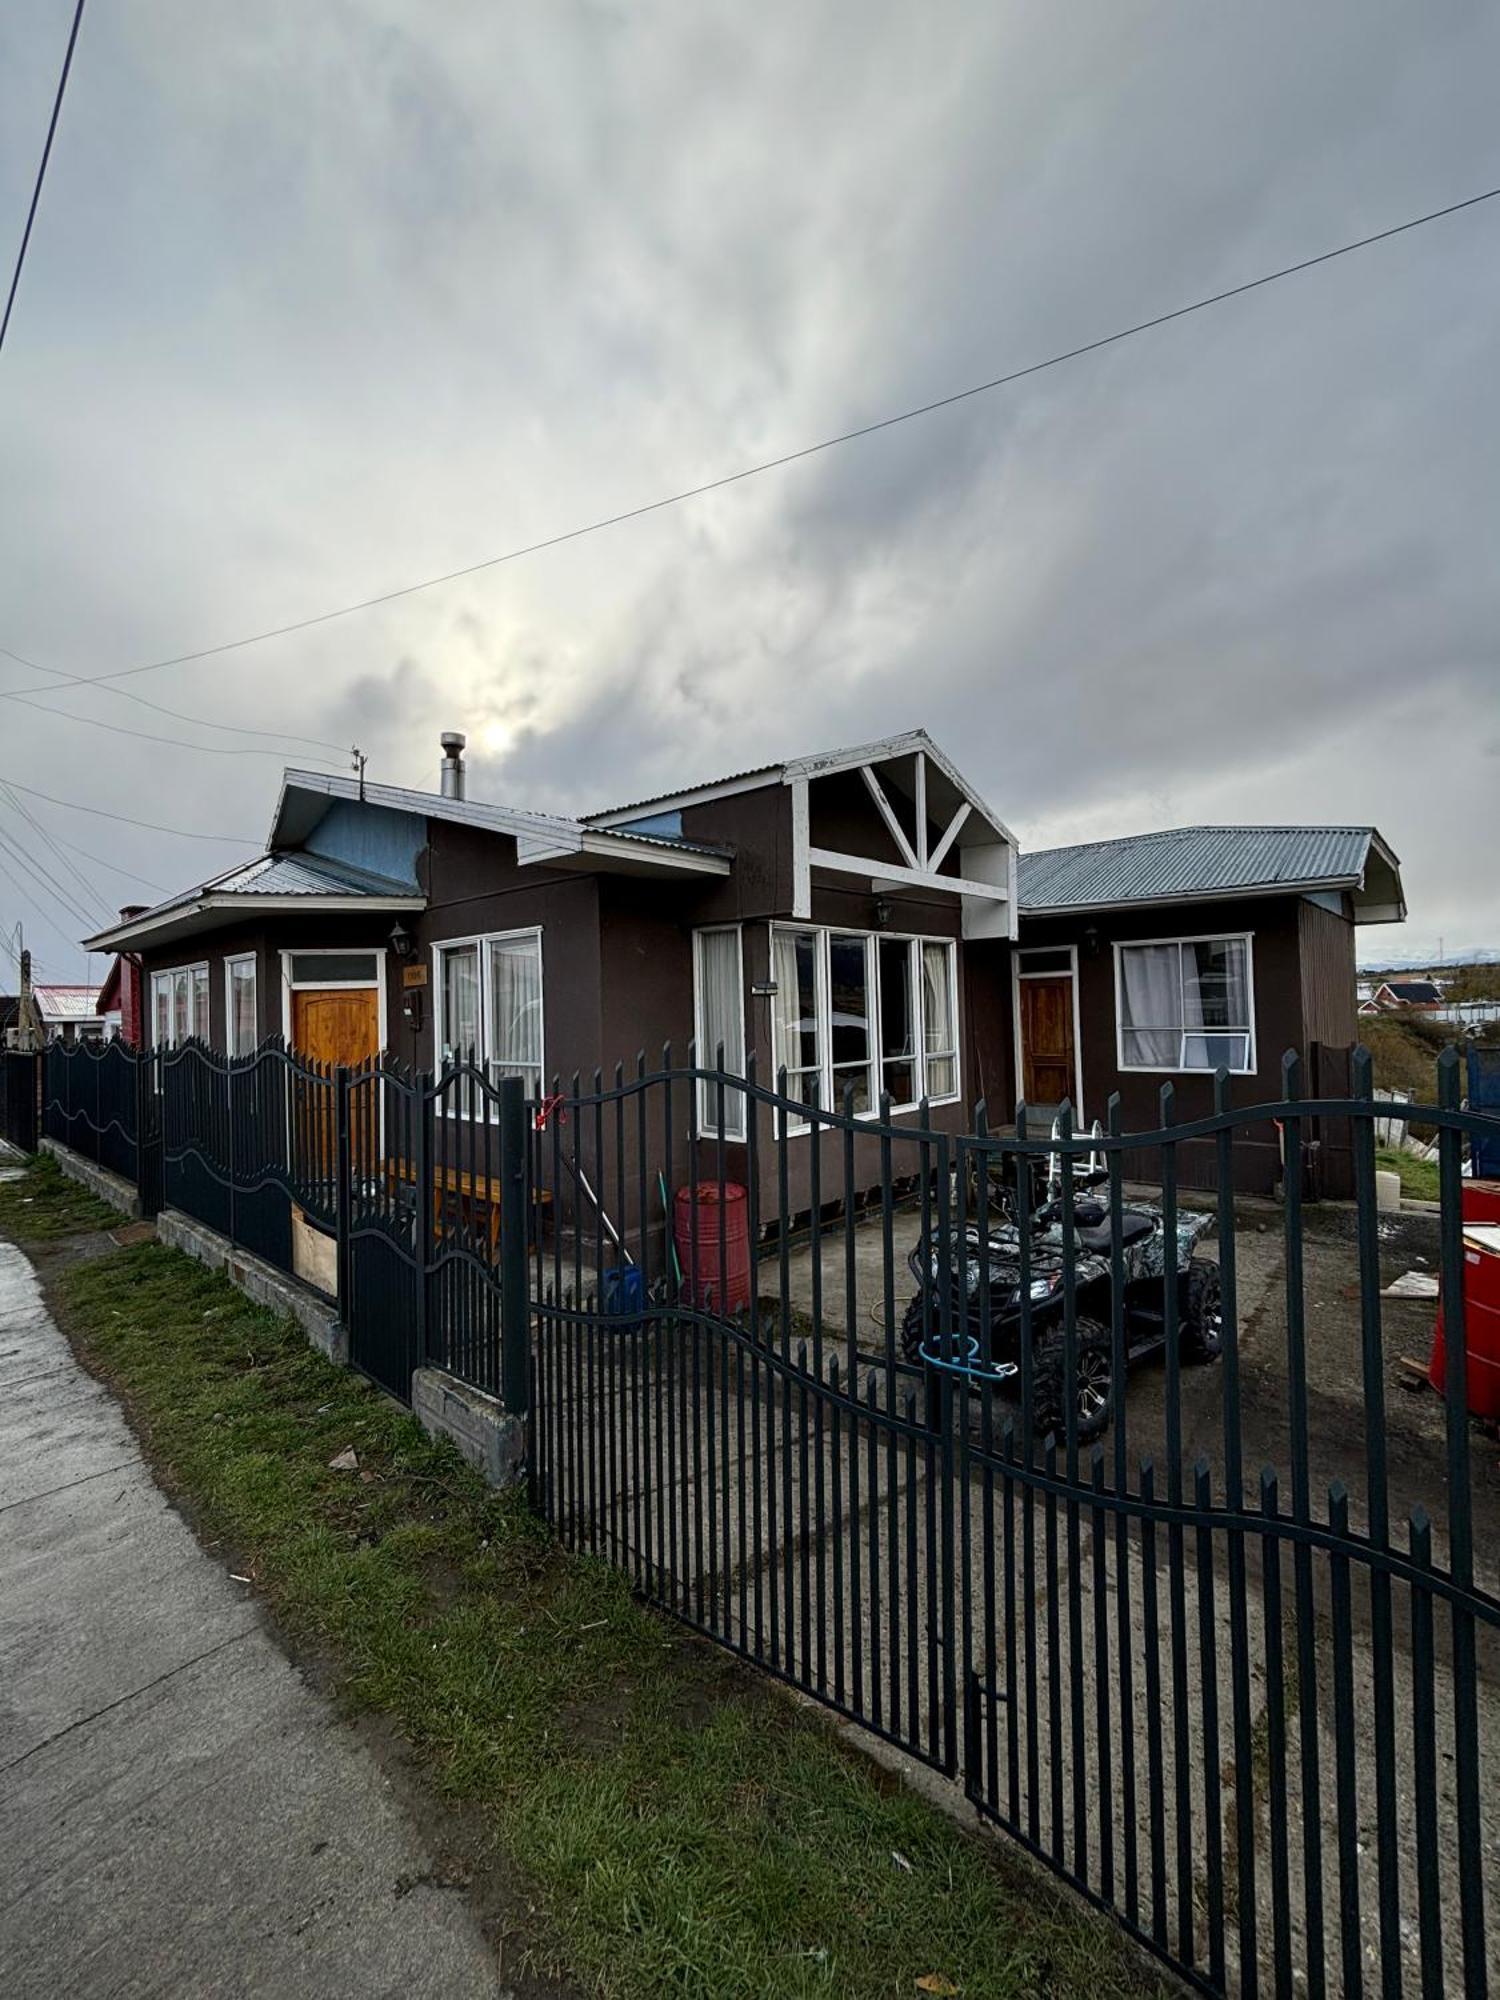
{"x": 464, "y": 1200}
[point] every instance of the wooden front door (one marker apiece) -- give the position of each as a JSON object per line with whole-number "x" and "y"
{"x": 340, "y": 1025}
{"x": 1047, "y": 1052}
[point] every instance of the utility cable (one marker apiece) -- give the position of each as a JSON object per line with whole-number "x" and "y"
{"x": 793, "y": 457}
{"x": 41, "y": 172}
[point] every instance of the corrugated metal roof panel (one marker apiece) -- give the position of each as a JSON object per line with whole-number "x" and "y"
{"x": 67, "y": 1003}
{"x": 1189, "y": 861}
{"x": 304, "y": 875}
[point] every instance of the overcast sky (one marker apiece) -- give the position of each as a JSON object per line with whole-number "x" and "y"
{"x": 324, "y": 300}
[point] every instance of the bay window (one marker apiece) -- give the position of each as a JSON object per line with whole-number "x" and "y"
{"x": 489, "y": 1004}
{"x": 719, "y": 1023}
{"x": 1185, "y": 1004}
{"x": 867, "y": 1011}
{"x": 179, "y": 1005}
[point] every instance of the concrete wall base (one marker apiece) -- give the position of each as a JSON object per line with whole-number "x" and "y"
{"x": 108, "y": 1187}
{"x": 258, "y": 1280}
{"x": 489, "y": 1437}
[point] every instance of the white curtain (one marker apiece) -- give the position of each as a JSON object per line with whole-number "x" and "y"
{"x": 721, "y": 1023}
{"x": 1151, "y": 1005}
{"x": 940, "y": 1030}
{"x": 516, "y": 1011}
{"x": 1216, "y": 1004}
{"x": 460, "y": 1002}
{"x": 241, "y": 1009}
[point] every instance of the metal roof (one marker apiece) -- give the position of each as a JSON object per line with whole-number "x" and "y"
{"x": 1186, "y": 862}
{"x": 539, "y": 832}
{"x": 67, "y": 1003}
{"x": 304, "y": 875}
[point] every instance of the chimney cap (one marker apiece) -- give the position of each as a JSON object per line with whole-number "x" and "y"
{"x": 453, "y": 740}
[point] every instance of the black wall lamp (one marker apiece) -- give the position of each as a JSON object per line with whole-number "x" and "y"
{"x": 403, "y": 944}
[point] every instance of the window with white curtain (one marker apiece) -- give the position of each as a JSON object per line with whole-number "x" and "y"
{"x": 179, "y": 1005}
{"x": 939, "y": 1019}
{"x": 239, "y": 1004}
{"x": 719, "y": 1022}
{"x": 1186, "y": 1004}
{"x": 800, "y": 1010}
{"x": 867, "y": 1011}
{"x": 489, "y": 1002}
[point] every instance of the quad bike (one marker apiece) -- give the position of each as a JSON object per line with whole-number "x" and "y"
{"x": 1143, "y": 1264}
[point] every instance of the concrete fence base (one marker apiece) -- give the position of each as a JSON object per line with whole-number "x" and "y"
{"x": 258, "y": 1280}
{"x": 487, "y": 1435}
{"x": 109, "y": 1187}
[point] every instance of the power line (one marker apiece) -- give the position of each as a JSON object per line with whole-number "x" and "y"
{"x": 793, "y": 457}
{"x": 177, "y": 714}
{"x": 41, "y": 172}
{"x": 90, "y": 894}
{"x": 149, "y": 826}
{"x": 149, "y": 736}
{"x": 47, "y": 883}
{"x": 99, "y": 862}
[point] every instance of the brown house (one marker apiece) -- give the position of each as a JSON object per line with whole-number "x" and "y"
{"x": 1158, "y": 959}
{"x": 861, "y": 919}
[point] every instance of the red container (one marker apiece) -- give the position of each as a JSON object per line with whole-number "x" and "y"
{"x": 1481, "y": 1322}
{"x": 1481, "y": 1201}
{"x": 707, "y": 1216}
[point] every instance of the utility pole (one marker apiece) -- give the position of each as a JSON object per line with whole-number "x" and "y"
{"x": 28, "y": 1029}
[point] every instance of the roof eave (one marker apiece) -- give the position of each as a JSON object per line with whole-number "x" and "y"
{"x": 182, "y": 919}
{"x": 1237, "y": 892}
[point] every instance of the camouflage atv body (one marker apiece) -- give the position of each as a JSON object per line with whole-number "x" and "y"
{"x": 1142, "y": 1247}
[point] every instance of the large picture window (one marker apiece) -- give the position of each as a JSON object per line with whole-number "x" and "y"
{"x": 719, "y": 1022}
{"x": 489, "y": 995}
{"x": 1186, "y": 1004}
{"x": 179, "y": 1005}
{"x": 866, "y": 1012}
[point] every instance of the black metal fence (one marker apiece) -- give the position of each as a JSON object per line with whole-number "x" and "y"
{"x": 1106, "y": 1505}
{"x": 20, "y": 1099}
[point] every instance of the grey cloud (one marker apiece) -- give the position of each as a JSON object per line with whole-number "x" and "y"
{"x": 321, "y": 304}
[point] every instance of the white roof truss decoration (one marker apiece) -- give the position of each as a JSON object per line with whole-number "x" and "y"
{"x": 912, "y": 767}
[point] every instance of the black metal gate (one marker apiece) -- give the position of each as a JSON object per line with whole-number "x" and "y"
{"x": 20, "y": 1089}
{"x": 1193, "y": 1665}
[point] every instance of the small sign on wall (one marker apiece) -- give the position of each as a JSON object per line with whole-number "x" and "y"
{"x": 414, "y": 975}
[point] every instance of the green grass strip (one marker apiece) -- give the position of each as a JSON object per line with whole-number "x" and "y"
{"x": 684, "y": 1828}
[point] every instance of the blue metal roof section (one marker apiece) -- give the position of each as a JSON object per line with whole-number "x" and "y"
{"x": 1188, "y": 862}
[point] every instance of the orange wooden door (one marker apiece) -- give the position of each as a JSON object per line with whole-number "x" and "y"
{"x": 1047, "y": 1068}
{"x": 336, "y": 1026}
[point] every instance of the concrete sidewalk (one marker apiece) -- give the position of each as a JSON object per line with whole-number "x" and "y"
{"x": 180, "y": 1814}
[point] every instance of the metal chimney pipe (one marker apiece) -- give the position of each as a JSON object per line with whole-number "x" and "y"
{"x": 452, "y": 771}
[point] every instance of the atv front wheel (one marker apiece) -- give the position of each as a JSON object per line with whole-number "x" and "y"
{"x": 1202, "y": 1330}
{"x": 1093, "y": 1382}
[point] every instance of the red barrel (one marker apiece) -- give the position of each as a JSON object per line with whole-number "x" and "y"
{"x": 1481, "y": 1201}
{"x": 707, "y": 1216}
{"x": 1481, "y": 1323}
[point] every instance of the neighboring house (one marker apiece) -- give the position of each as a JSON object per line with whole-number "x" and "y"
{"x": 1157, "y": 958}
{"x": 70, "y": 1013}
{"x": 1404, "y": 996}
{"x": 121, "y": 999}
{"x": 851, "y": 917}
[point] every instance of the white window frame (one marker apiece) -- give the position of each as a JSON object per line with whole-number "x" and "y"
{"x": 195, "y": 966}
{"x": 481, "y": 939}
{"x": 1180, "y": 1068}
{"x": 912, "y": 939}
{"x": 1020, "y": 971}
{"x": 240, "y": 958}
{"x": 735, "y": 1102}
{"x": 289, "y": 986}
